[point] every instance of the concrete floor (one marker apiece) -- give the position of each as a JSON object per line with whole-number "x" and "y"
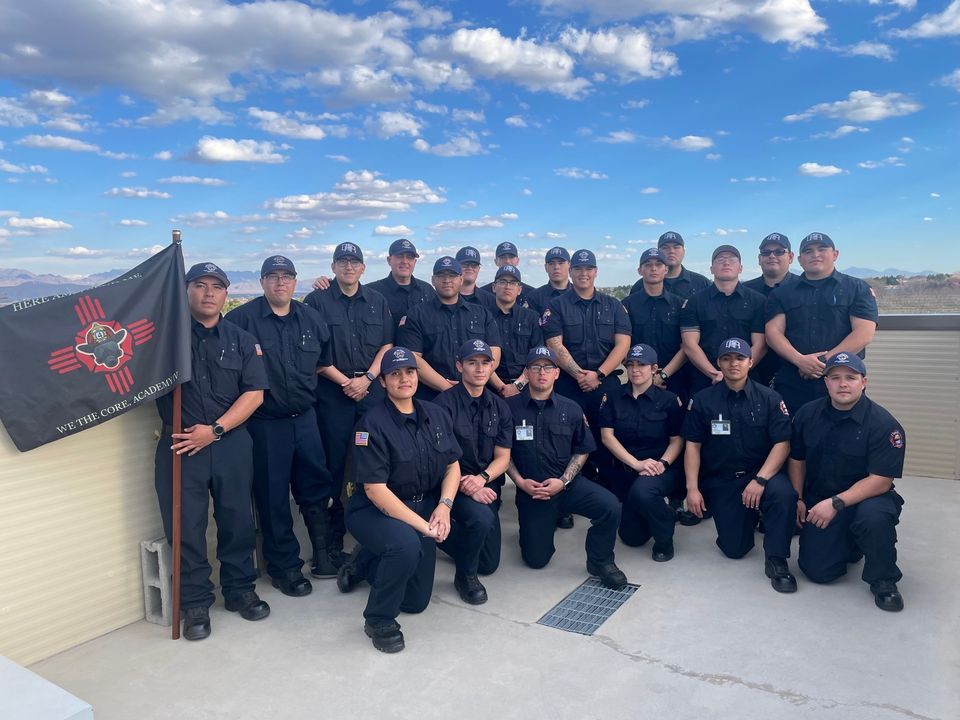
{"x": 704, "y": 637}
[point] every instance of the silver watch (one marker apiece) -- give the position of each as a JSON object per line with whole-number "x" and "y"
{"x": 447, "y": 501}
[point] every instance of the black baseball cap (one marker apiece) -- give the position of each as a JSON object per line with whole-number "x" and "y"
{"x": 468, "y": 254}
{"x": 447, "y": 264}
{"x": 473, "y": 348}
{"x": 817, "y": 238}
{"x": 402, "y": 246}
{"x": 776, "y": 239}
{"x": 735, "y": 346}
{"x": 510, "y": 270}
{"x": 507, "y": 248}
{"x": 557, "y": 253}
{"x": 276, "y": 263}
{"x": 670, "y": 237}
{"x": 652, "y": 254}
{"x": 347, "y": 250}
{"x": 541, "y": 352}
{"x": 207, "y": 269}
{"x": 846, "y": 359}
{"x": 583, "y": 258}
{"x": 396, "y": 358}
{"x": 643, "y": 354}
{"x": 726, "y": 249}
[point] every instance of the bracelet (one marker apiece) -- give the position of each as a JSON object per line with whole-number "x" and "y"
{"x": 666, "y": 463}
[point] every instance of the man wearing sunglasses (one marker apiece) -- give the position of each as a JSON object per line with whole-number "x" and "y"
{"x": 775, "y": 259}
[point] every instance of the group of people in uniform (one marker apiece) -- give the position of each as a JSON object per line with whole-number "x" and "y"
{"x": 691, "y": 398}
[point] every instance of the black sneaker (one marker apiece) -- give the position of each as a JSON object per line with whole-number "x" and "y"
{"x": 470, "y": 588}
{"x": 779, "y": 573}
{"x": 662, "y": 552}
{"x": 347, "y": 576}
{"x": 196, "y": 623}
{"x": 565, "y": 522}
{"x": 886, "y": 596}
{"x": 609, "y": 574}
{"x": 323, "y": 566}
{"x": 248, "y": 604}
{"x": 687, "y": 518}
{"x": 293, "y": 583}
{"x": 386, "y": 638}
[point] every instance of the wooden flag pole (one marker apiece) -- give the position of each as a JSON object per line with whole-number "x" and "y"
{"x": 177, "y": 492}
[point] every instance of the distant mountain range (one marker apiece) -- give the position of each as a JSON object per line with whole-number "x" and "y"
{"x": 16, "y": 284}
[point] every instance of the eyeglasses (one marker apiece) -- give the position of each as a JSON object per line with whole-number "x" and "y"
{"x": 541, "y": 369}
{"x": 507, "y": 283}
{"x": 726, "y": 259}
{"x": 348, "y": 263}
{"x": 278, "y": 278}
{"x": 778, "y": 252}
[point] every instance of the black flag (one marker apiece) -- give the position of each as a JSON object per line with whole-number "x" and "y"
{"x": 68, "y": 363}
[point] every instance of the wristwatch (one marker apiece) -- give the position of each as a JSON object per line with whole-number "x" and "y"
{"x": 447, "y": 501}
{"x": 837, "y": 503}
{"x": 601, "y": 375}
{"x": 566, "y": 482}
{"x": 663, "y": 376}
{"x": 761, "y": 480}
{"x": 370, "y": 376}
{"x": 485, "y": 475}
{"x": 665, "y": 462}
{"x": 218, "y": 431}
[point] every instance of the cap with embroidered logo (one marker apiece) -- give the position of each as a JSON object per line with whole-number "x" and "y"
{"x": 474, "y": 348}
{"x": 468, "y": 254}
{"x": 583, "y": 258}
{"x": 207, "y": 269}
{"x": 506, "y": 248}
{"x": 402, "y": 247}
{"x": 541, "y": 352}
{"x": 643, "y": 354}
{"x": 652, "y": 255}
{"x": 670, "y": 237}
{"x": 277, "y": 263}
{"x": 817, "y": 238}
{"x": 508, "y": 271}
{"x": 557, "y": 253}
{"x": 347, "y": 250}
{"x": 397, "y": 358}
{"x": 735, "y": 346}
{"x": 846, "y": 359}
{"x": 447, "y": 264}
{"x": 776, "y": 239}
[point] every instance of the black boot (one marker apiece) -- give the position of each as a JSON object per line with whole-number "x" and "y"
{"x": 317, "y": 520}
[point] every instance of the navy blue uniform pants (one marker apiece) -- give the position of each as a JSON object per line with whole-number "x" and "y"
{"x": 395, "y": 559}
{"x": 590, "y": 402}
{"x": 336, "y": 417}
{"x": 538, "y": 521}
{"x": 735, "y": 522}
{"x": 287, "y": 455}
{"x": 870, "y": 526}
{"x": 645, "y": 513}
{"x": 222, "y": 470}
{"x": 474, "y": 540}
{"x": 795, "y": 391}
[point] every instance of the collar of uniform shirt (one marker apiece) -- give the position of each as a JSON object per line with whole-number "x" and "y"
{"x": 749, "y": 389}
{"x": 831, "y": 276}
{"x": 857, "y": 413}
{"x": 338, "y": 293}
{"x": 199, "y": 327}
{"x": 399, "y": 418}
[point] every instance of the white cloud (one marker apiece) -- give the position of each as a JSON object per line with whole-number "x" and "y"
{"x": 907, "y": 140}
{"x": 840, "y": 132}
{"x": 862, "y": 106}
{"x": 934, "y": 194}
{"x": 391, "y": 124}
{"x": 137, "y": 192}
{"x": 527, "y": 236}
{"x": 753, "y": 179}
{"x": 526, "y": 192}
{"x": 723, "y": 232}
{"x": 928, "y": 219}
{"x": 487, "y": 53}
{"x": 50, "y": 98}
{"x": 688, "y": 143}
{"x": 516, "y": 121}
{"x": 626, "y": 51}
{"x": 359, "y": 195}
{"x": 221, "y": 150}
{"x": 57, "y": 142}
{"x": 617, "y": 137}
{"x": 184, "y": 109}
{"x": 468, "y": 205}
{"x": 430, "y": 108}
{"x": 951, "y": 80}
{"x": 78, "y": 252}
{"x": 299, "y": 234}
{"x": 68, "y": 122}
{"x": 791, "y": 21}
{"x": 9, "y": 167}
{"x": 635, "y": 104}
{"x": 650, "y": 221}
{"x": 37, "y": 223}
{"x": 817, "y": 170}
{"x": 935, "y": 25}
{"x": 191, "y": 180}
{"x": 458, "y": 146}
{"x": 338, "y": 158}
{"x": 555, "y": 235}
{"x": 134, "y": 223}
{"x": 481, "y": 223}
{"x": 163, "y": 155}
{"x": 277, "y": 124}
{"x": 580, "y": 174}
{"x": 881, "y": 51}
{"x": 464, "y": 116}
{"x": 713, "y": 156}
{"x": 128, "y": 173}
{"x": 14, "y": 114}
{"x": 893, "y": 160}
{"x": 422, "y": 16}
{"x": 393, "y": 230}
{"x": 650, "y": 191}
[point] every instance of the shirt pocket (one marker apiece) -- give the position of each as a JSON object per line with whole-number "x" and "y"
{"x": 573, "y": 331}
{"x": 225, "y": 379}
{"x": 371, "y": 331}
{"x": 309, "y": 348}
{"x": 560, "y": 440}
{"x": 652, "y": 425}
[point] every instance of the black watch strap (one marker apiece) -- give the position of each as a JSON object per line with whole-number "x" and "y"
{"x": 838, "y": 503}
{"x": 761, "y": 480}
{"x": 485, "y": 475}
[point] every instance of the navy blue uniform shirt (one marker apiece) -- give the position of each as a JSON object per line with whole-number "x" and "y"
{"x": 400, "y": 298}
{"x": 687, "y": 284}
{"x": 523, "y": 299}
{"x": 559, "y": 432}
{"x": 643, "y": 424}
{"x": 843, "y": 447}
{"x": 655, "y": 320}
{"x": 225, "y": 362}
{"x": 587, "y": 327}
{"x": 483, "y": 298}
{"x": 519, "y": 333}
{"x": 437, "y": 331}
{"x": 294, "y": 346}
{"x": 757, "y": 284}
{"x": 539, "y": 299}
{"x": 359, "y": 325}
{"x": 480, "y": 424}
{"x": 718, "y": 316}
{"x": 408, "y": 453}
{"x": 818, "y": 311}
{"x": 758, "y": 421}
{"x": 764, "y": 370}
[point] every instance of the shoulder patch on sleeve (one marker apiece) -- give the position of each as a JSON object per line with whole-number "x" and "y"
{"x": 783, "y": 408}
{"x": 544, "y": 317}
{"x": 403, "y": 321}
{"x": 257, "y": 349}
{"x": 361, "y": 439}
{"x": 896, "y": 439}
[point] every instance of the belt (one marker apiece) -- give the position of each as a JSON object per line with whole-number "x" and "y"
{"x": 358, "y": 373}
{"x": 743, "y": 473}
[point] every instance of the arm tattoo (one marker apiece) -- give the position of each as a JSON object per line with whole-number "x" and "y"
{"x": 573, "y": 467}
{"x": 563, "y": 356}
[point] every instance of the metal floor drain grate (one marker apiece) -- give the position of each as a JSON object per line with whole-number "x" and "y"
{"x": 587, "y": 607}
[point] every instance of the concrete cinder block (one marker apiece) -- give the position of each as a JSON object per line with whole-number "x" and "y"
{"x": 157, "y": 581}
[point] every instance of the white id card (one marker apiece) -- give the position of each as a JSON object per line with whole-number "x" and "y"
{"x": 720, "y": 426}
{"x": 523, "y": 432}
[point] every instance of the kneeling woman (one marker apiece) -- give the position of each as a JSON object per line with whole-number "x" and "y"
{"x": 406, "y": 473}
{"x": 640, "y": 425}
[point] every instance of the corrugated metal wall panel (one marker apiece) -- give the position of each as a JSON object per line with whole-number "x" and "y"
{"x": 72, "y": 515}
{"x": 916, "y": 376}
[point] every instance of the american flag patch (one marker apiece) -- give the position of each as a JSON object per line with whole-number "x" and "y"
{"x": 256, "y": 348}
{"x": 361, "y": 439}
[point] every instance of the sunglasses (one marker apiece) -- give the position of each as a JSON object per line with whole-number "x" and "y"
{"x": 778, "y": 252}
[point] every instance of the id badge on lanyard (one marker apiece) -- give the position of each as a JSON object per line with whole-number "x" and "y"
{"x": 720, "y": 426}
{"x": 523, "y": 432}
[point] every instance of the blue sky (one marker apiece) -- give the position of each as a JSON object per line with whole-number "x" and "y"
{"x": 266, "y": 127}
